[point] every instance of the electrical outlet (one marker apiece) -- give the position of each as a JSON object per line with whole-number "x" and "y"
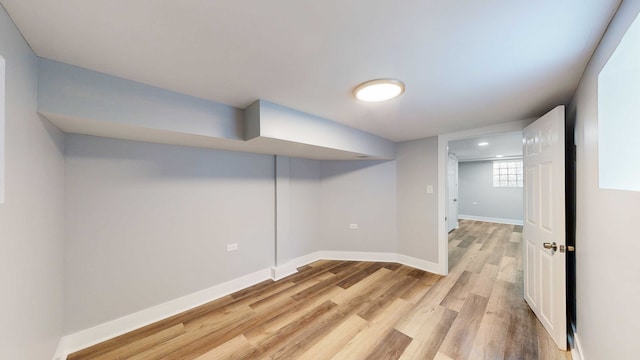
{"x": 232, "y": 247}
{"x": 353, "y": 226}
{"x": 429, "y": 189}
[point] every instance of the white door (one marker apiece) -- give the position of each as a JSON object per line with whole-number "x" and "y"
{"x": 544, "y": 261}
{"x": 452, "y": 189}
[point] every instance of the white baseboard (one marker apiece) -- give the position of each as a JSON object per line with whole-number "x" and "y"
{"x": 576, "y": 349}
{"x": 289, "y": 267}
{"x": 424, "y": 265}
{"x": 491, "y": 219}
{"x": 97, "y": 334}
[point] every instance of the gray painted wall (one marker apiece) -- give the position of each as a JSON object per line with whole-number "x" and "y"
{"x": 607, "y": 246}
{"x": 31, "y": 220}
{"x": 304, "y": 208}
{"x": 417, "y": 167}
{"x": 274, "y": 121}
{"x": 363, "y": 193}
{"x": 475, "y": 184}
{"x": 66, "y": 90}
{"x": 147, "y": 223}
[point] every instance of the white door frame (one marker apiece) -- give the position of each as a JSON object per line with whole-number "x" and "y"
{"x": 452, "y": 221}
{"x": 443, "y": 154}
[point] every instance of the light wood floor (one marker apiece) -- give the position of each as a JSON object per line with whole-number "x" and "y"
{"x": 363, "y": 310}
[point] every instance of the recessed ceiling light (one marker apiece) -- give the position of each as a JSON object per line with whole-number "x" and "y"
{"x": 378, "y": 90}
{"x": 499, "y": 156}
{"x": 483, "y": 144}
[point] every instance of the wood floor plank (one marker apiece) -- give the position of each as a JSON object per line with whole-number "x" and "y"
{"x": 274, "y": 324}
{"x": 344, "y": 265}
{"x": 478, "y": 262}
{"x": 262, "y": 348}
{"x": 458, "y": 343}
{"x": 428, "y": 338}
{"x": 325, "y": 284}
{"x": 361, "y": 345}
{"x": 363, "y": 310}
{"x": 392, "y": 266}
{"x": 314, "y": 270}
{"x": 220, "y": 319}
{"x": 417, "y": 291}
{"x": 149, "y": 330}
{"x": 490, "y": 271}
{"x": 253, "y": 289}
{"x": 284, "y": 294}
{"x": 411, "y": 322}
{"x": 490, "y": 339}
{"x": 380, "y": 303}
{"x": 355, "y": 278}
{"x": 547, "y": 348}
{"x": 507, "y": 269}
{"x": 335, "y": 341}
{"x": 391, "y": 347}
{"x": 522, "y": 338}
{"x": 226, "y": 350}
{"x": 441, "y": 356}
{"x": 366, "y": 286}
{"x": 456, "y": 297}
{"x": 467, "y": 241}
{"x": 143, "y": 344}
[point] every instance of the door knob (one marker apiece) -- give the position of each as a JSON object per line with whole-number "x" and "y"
{"x": 553, "y": 246}
{"x": 455, "y": 200}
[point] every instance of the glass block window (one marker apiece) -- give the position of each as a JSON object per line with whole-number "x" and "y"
{"x": 507, "y": 173}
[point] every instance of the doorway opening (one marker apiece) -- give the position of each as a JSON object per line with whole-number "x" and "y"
{"x": 543, "y": 202}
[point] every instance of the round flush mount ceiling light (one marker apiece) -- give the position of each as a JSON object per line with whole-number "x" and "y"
{"x": 378, "y": 90}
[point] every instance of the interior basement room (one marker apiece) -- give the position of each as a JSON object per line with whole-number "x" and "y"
{"x": 360, "y": 179}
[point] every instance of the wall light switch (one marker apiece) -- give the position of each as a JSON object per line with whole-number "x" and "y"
{"x": 429, "y": 189}
{"x": 353, "y": 226}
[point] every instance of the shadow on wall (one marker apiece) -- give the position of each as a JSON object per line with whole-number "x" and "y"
{"x": 158, "y": 161}
{"x": 340, "y": 167}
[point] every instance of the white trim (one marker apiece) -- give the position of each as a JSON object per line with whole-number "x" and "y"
{"x": 576, "y": 349}
{"x": 358, "y": 256}
{"x": 61, "y": 353}
{"x": 491, "y": 219}
{"x": 88, "y": 337}
{"x": 291, "y": 266}
{"x": 419, "y": 264}
{"x": 443, "y": 143}
{"x": 85, "y": 338}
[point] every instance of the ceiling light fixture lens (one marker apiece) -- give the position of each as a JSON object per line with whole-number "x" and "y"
{"x": 483, "y": 144}
{"x": 499, "y": 156}
{"x": 379, "y": 90}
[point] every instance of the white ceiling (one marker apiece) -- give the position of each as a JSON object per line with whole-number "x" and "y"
{"x": 465, "y": 63}
{"x": 509, "y": 145}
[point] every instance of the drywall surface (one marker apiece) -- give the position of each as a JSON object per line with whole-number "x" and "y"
{"x": 607, "y": 246}
{"x": 84, "y": 94}
{"x": 304, "y": 209}
{"x": 147, "y": 223}
{"x": 478, "y": 196}
{"x": 31, "y": 219}
{"x": 362, "y": 193}
{"x": 417, "y": 168}
{"x": 268, "y": 120}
